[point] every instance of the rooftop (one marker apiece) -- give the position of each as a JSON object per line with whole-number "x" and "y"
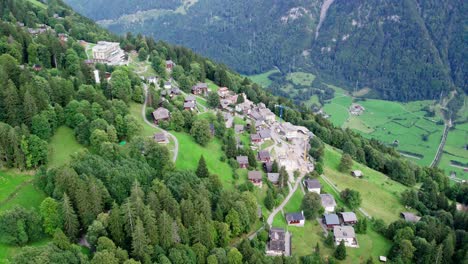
{"x": 160, "y": 137}
{"x": 344, "y": 232}
{"x": 294, "y": 217}
{"x": 190, "y": 98}
{"x": 331, "y": 219}
{"x": 273, "y": 177}
{"x": 263, "y": 154}
{"x": 161, "y": 113}
{"x": 242, "y": 159}
{"x": 312, "y": 184}
{"x": 255, "y": 175}
{"x": 327, "y": 200}
{"x": 349, "y": 217}
{"x": 410, "y": 217}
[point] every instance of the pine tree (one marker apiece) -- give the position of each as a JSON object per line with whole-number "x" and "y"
{"x": 116, "y": 224}
{"x": 233, "y": 220}
{"x": 140, "y": 243}
{"x": 70, "y": 220}
{"x": 340, "y": 251}
{"x": 11, "y": 103}
{"x": 269, "y": 200}
{"x": 252, "y": 158}
{"x": 231, "y": 147}
{"x": 166, "y": 234}
{"x": 202, "y": 169}
{"x": 151, "y": 227}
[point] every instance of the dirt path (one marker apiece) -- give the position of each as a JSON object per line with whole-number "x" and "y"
{"x": 285, "y": 201}
{"x": 440, "y": 150}
{"x": 143, "y": 114}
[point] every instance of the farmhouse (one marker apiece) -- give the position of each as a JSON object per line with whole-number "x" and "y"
{"x": 328, "y": 202}
{"x": 273, "y": 178}
{"x": 331, "y": 220}
{"x": 167, "y": 85}
{"x": 346, "y": 234}
{"x": 224, "y": 104}
{"x": 264, "y": 156}
{"x": 349, "y": 218}
{"x": 410, "y": 217}
{"x": 200, "y": 88}
{"x": 313, "y": 185}
{"x": 276, "y": 245}
{"x": 174, "y": 91}
{"x": 243, "y": 161}
{"x": 160, "y": 138}
{"x": 259, "y": 124}
{"x": 255, "y": 115}
{"x": 295, "y": 219}
{"x": 268, "y": 115}
{"x": 161, "y": 114}
{"x": 255, "y": 177}
{"x": 356, "y": 109}
{"x": 223, "y": 92}
{"x": 356, "y": 173}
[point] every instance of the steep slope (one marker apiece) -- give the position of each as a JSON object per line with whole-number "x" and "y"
{"x": 404, "y": 50}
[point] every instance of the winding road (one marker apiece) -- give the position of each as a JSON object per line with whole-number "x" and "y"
{"x": 143, "y": 114}
{"x": 285, "y": 201}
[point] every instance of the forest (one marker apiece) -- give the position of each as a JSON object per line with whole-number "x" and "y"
{"x": 375, "y": 44}
{"x": 130, "y": 203}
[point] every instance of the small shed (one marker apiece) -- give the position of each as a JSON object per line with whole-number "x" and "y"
{"x": 356, "y": 173}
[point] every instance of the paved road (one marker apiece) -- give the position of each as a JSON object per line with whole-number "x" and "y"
{"x": 285, "y": 201}
{"x": 143, "y": 114}
{"x": 338, "y": 191}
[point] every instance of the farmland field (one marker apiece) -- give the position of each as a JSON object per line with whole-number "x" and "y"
{"x": 301, "y": 78}
{"x": 454, "y": 150}
{"x": 262, "y": 78}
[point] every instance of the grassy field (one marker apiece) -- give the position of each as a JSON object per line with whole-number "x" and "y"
{"x": 62, "y": 145}
{"x": 262, "y": 79}
{"x": 6, "y": 251}
{"x": 379, "y": 193}
{"x": 37, "y": 3}
{"x": 190, "y": 152}
{"x": 301, "y": 78}
{"x": 18, "y": 189}
{"x": 454, "y": 150}
{"x": 305, "y": 238}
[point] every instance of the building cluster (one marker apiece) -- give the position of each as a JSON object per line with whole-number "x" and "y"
{"x": 109, "y": 53}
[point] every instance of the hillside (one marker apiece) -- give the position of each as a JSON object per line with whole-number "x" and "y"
{"x": 126, "y": 150}
{"x": 403, "y": 50}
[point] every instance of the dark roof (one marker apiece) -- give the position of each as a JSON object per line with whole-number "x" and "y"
{"x": 277, "y": 245}
{"x": 160, "y": 137}
{"x": 263, "y": 154}
{"x": 175, "y": 90}
{"x": 161, "y": 113}
{"x": 349, "y": 217}
{"x": 277, "y": 233}
{"x": 268, "y": 166}
{"x": 255, "y": 175}
{"x": 242, "y": 159}
{"x": 200, "y": 86}
{"x": 331, "y": 219}
{"x": 410, "y": 217}
{"x": 312, "y": 184}
{"x": 344, "y": 232}
{"x": 273, "y": 177}
{"x": 294, "y": 217}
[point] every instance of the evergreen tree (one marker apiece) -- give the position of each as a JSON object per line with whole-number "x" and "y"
{"x": 233, "y": 220}
{"x": 202, "y": 169}
{"x": 340, "y": 251}
{"x": 11, "y": 103}
{"x": 50, "y": 212}
{"x": 311, "y": 205}
{"x": 201, "y": 132}
{"x": 141, "y": 248}
{"x": 166, "y": 233}
{"x": 231, "y": 146}
{"x": 213, "y": 100}
{"x": 346, "y": 163}
{"x": 116, "y": 224}
{"x": 151, "y": 227}
{"x": 252, "y": 158}
{"x": 269, "y": 200}
{"x": 70, "y": 220}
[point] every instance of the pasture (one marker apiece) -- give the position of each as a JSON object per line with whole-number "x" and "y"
{"x": 262, "y": 78}
{"x": 380, "y": 194}
{"x": 301, "y": 78}
{"x": 62, "y": 145}
{"x": 455, "y": 154}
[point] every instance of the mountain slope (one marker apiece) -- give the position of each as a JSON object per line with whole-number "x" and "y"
{"x": 404, "y": 50}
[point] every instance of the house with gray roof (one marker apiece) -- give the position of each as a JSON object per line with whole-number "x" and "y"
{"x": 243, "y": 161}
{"x": 238, "y": 129}
{"x": 276, "y": 245}
{"x": 313, "y": 185}
{"x": 255, "y": 177}
{"x": 328, "y": 202}
{"x": 161, "y": 114}
{"x": 273, "y": 177}
{"x": 346, "y": 234}
{"x": 295, "y": 219}
{"x": 410, "y": 217}
{"x": 349, "y": 218}
{"x": 264, "y": 156}
{"x": 331, "y": 220}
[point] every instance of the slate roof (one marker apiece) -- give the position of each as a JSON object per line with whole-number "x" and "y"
{"x": 277, "y": 233}
{"x": 410, "y": 217}
{"x": 265, "y": 133}
{"x": 344, "y": 232}
{"x": 294, "y": 217}
{"x": 255, "y": 175}
{"x": 327, "y": 200}
{"x": 189, "y": 104}
{"x": 273, "y": 177}
{"x": 268, "y": 166}
{"x": 263, "y": 154}
{"x": 160, "y": 137}
{"x": 277, "y": 245}
{"x": 161, "y": 113}
{"x": 331, "y": 219}
{"x": 238, "y": 128}
{"x": 349, "y": 217}
{"x": 242, "y": 159}
{"x": 255, "y": 137}
{"x": 312, "y": 184}
{"x": 190, "y": 98}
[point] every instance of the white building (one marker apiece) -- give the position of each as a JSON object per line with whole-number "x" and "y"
{"x": 109, "y": 53}
{"x": 313, "y": 185}
{"x": 346, "y": 234}
{"x": 328, "y": 202}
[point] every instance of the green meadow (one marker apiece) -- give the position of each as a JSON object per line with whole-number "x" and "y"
{"x": 62, "y": 145}
{"x": 262, "y": 78}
